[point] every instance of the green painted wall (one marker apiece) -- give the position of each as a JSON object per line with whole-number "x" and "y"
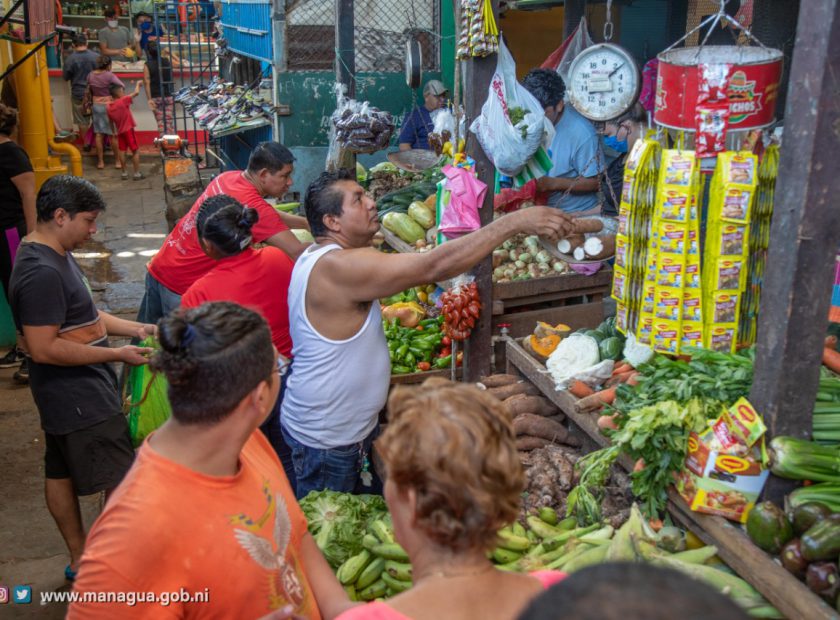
{"x": 312, "y": 100}
{"x": 447, "y": 42}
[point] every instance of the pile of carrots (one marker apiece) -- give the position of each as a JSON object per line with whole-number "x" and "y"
{"x": 590, "y": 400}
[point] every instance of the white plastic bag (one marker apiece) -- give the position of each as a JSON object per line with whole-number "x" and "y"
{"x": 507, "y": 145}
{"x": 580, "y": 41}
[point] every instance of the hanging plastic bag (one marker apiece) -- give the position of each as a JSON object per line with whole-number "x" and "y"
{"x": 466, "y": 196}
{"x": 146, "y": 402}
{"x": 512, "y": 122}
{"x": 580, "y": 41}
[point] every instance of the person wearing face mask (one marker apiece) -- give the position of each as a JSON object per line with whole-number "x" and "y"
{"x": 619, "y": 137}
{"x": 115, "y": 41}
{"x": 146, "y": 30}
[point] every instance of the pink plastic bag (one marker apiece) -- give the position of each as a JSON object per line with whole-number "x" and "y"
{"x": 466, "y": 198}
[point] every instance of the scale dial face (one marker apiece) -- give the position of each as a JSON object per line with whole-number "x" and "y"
{"x": 603, "y": 82}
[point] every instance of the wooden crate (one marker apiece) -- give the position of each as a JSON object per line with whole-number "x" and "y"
{"x": 789, "y": 595}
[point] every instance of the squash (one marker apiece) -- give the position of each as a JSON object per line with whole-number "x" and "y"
{"x": 546, "y": 329}
{"x": 541, "y": 348}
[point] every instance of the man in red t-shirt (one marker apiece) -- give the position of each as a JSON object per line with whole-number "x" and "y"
{"x": 119, "y": 111}
{"x": 181, "y": 261}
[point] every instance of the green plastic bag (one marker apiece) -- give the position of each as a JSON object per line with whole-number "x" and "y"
{"x": 147, "y": 404}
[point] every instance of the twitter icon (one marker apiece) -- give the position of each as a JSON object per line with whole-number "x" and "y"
{"x": 22, "y": 594}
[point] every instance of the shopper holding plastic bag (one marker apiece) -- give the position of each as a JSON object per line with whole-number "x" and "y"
{"x": 512, "y": 123}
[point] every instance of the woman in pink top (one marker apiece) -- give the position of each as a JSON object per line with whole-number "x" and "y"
{"x": 453, "y": 480}
{"x": 99, "y": 83}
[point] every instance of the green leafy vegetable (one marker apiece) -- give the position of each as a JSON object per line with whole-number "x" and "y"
{"x": 338, "y": 521}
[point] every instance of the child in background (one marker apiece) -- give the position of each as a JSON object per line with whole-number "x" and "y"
{"x": 119, "y": 111}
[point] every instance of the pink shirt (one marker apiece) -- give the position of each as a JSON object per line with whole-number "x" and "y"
{"x": 382, "y": 611}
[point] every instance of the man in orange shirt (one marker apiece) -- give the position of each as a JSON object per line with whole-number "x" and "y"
{"x": 205, "y": 524}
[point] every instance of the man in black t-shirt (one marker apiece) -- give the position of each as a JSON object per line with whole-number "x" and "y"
{"x": 77, "y": 67}
{"x": 88, "y": 448}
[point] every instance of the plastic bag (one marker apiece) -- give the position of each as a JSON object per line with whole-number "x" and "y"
{"x": 147, "y": 404}
{"x": 509, "y": 144}
{"x": 561, "y": 59}
{"x": 358, "y": 127}
{"x": 466, "y": 196}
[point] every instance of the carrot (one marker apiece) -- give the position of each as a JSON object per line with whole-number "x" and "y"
{"x": 831, "y": 359}
{"x": 632, "y": 379}
{"x": 621, "y": 368}
{"x": 580, "y": 390}
{"x": 656, "y": 524}
{"x": 639, "y": 465}
{"x": 608, "y": 422}
{"x": 620, "y": 378}
{"x": 604, "y": 397}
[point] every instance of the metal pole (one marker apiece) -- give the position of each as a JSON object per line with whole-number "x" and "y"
{"x": 345, "y": 62}
{"x": 573, "y": 12}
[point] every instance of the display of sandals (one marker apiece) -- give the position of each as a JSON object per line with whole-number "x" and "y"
{"x": 223, "y": 108}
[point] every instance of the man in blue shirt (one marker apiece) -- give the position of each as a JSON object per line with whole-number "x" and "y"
{"x": 418, "y": 125}
{"x": 577, "y": 159}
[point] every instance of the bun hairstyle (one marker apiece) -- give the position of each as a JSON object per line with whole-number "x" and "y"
{"x": 8, "y": 119}
{"x": 224, "y": 222}
{"x": 212, "y": 357}
{"x": 103, "y": 62}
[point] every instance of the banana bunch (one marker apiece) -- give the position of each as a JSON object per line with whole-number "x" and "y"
{"x": 380, "y": 570}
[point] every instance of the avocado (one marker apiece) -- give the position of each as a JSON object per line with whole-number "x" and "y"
{"x": 806, "y": 515}
{"x": 768, "y": 527}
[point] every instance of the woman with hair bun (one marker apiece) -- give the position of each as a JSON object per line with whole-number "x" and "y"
{"x": 205, "y": 517}
{"x": 453, "y": 480}
{"x": 254, "y": 278}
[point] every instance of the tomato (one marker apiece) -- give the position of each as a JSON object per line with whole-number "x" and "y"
{"x": 424, "y": 366}
{"x": 419, "y": 328}
{"x": 446, "y": 341}
{"x": 445, "y": 351}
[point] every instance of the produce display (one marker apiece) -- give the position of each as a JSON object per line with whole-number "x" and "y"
{"x": 522, "y": 258}
{"x": 588, "y": 356}
{"x": 414, "y": 332}
{"x": 806, "y": 539}
{"x": 461, "y": 307}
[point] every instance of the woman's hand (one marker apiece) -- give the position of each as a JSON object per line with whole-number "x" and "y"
{"x": 152, "y": 105}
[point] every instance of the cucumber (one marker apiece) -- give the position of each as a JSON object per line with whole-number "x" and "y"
{"x": 822, "y": 541}
{"x": 769, "y": 528}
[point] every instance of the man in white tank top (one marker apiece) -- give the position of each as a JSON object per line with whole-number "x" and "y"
{"x": 341, "y": 371}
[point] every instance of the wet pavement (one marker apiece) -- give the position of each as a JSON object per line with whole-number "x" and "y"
{"x": 32, "y": 551}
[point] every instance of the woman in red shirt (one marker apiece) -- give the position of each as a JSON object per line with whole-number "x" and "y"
{"x": 254, "y": 278}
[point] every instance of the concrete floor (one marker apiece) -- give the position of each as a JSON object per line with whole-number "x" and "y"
{"x": 32, "y": 551}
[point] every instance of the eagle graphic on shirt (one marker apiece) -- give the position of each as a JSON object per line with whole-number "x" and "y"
{"x": 284, "y": 584}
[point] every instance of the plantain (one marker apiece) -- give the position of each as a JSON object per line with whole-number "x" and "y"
{"x": 396, "y": 585}
{"x": 350, "y": 570}
{"x": 548, "y": 514}
{"x": 398, "y": 570}
{"x": 541, "y": 528}
{"x": 370, "y": 574}
{"x": 512, "y": 542}
{"x": 381, "y": 531}
{"x": 501, "y": 555}
{"x": 518, "y": 530}
{"x": 375, "y": 590}
{"x": 369, "y": 541}
{"x": 390, "y": 551}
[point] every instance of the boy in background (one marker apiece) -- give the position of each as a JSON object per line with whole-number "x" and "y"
{"x": 119, "y": 111}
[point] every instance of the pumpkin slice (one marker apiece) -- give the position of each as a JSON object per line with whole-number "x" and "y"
{"x": 541, "y": 348}
{"x": 546, "y": 329}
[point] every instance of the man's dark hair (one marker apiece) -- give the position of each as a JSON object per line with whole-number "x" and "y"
{"x": 272, "y": 156}
{"x": 8, "y": 119}
{"x": 224, "y": 222}
{"x": 631, "y": 591}
{"x": 79, "y": 40}
{"x": 137, "y": 17}
{"x": 114, "y": 89}
{"x": 73, "y": 194}
{"x": 109, "y": 12}
{"x": 546, "y": 85}
{"x": 212, "y": 356}
{"x": 323, "y": 198}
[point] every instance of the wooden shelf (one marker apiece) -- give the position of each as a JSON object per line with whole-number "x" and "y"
{"x": 789, "y": 595}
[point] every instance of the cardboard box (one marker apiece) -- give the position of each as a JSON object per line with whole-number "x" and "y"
{"x": 723, "y": 475}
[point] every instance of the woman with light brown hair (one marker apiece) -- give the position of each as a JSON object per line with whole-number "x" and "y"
{"x": 453, "y": 479}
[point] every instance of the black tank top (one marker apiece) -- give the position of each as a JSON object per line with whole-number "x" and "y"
{"x": 155, "y": 79}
